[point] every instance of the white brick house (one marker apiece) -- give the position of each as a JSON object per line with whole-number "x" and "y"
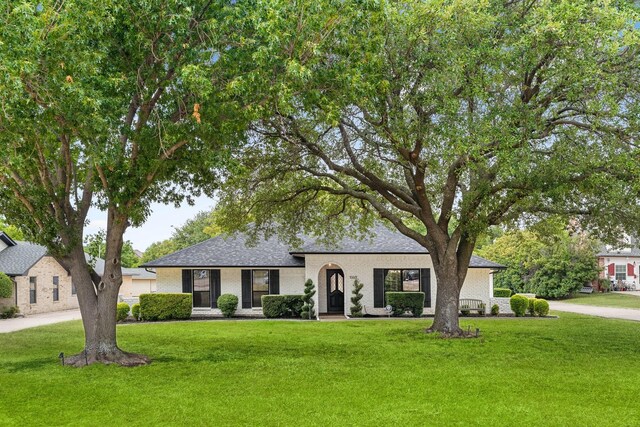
{"x": 388, "y": 261}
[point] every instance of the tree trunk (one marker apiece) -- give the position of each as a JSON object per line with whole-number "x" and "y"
{"x": 98, "y": 304}
{"x": 450, "y": 263}
{"x": 446, "y": 320}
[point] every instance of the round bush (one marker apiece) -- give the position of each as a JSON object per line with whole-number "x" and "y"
{"x": 495, "y": 309}
{"x": 519, "y": 305}
{"x": 530, "y": 308}
{"x": 135, "y": 311}
{"x": 541, "y": 307}
{"x": 6, "y": 286}
{"x": 122, "y": 311}
{"x": 228, "y": 304}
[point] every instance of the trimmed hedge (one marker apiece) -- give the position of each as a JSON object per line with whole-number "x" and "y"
{"x": 519, "y": 304}
{"x": 6, "y": 286}
{"x": 228, "y": 304}
{"x": 165, "y": 306}
{"x": 530, "y": 308}
{"x": 135, "y": 311}
{"x": 276, "y": 306}
{"x": 501, "y": 293}
{"x": 122, "y": 311}
{"x": 403, "y": 301}
{"x": 541, "y": 307}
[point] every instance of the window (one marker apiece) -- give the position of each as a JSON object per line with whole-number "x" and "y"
{"x": 32, "y": 290}
{"x": 260, "y": 286}
{"x": 201, "y": 288}
{"x": 56, "y": 288}
{"x": 402, "y": 280}
{"x": 621, "y": 272}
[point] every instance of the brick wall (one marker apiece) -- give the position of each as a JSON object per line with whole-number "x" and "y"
{"x": 44, "y": 271}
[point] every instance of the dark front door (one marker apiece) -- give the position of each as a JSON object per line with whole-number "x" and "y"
{"x": 335, "y": 291}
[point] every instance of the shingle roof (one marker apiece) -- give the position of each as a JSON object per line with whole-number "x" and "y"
{"x": 634, "y": 251}
{"x": 233, "y": 251}
{"x": 17, "y": 260}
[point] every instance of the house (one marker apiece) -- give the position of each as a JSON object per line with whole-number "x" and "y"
{"x": 42, "y": 285}
{"x": 387, "y": 261}
{"x": 620, "y": 265}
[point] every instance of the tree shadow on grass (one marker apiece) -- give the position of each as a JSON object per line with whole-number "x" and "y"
{"x": 27, "y": 365}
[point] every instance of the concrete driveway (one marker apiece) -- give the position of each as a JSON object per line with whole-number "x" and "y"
{"x": 17, "y": 324}
{"x": 608, "y": 312}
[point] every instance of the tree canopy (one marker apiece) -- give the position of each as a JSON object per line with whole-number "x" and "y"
{"x": 457, "y": 115}
{"x": 96, "y": 246}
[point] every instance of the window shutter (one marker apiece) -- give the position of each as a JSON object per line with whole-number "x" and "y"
{"x": 425, "y": 282}
{"x": 378, "y": 287}
{"x": 246, "y": 288}
{"x": 214, "y": 283}
{"x": 187, "y": 281}
{"x": 274, "y": 282}
{"x": 612, "y": 269}
{"x": 630, "y": 270}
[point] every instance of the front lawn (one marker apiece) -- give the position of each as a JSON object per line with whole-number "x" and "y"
{"x": 575, "y": 370}
{"x": 606, "y": 300}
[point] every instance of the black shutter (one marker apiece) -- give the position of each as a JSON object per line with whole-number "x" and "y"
{"x": 246, "y": 288}
{"x": 274, "y": 282}
{"x": 214, "y": 283}
{"x": 187, "y": 281}
{"x": 425, "y": 280}
{"x": 378, "y": 287}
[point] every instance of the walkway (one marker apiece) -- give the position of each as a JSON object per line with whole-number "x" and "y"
{"x": 608, "y": 312}
{"x": 19, "y": 323}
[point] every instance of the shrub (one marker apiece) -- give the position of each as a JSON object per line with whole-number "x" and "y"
{"x": 6, "y": 286}
{"x": 356, "y": 307}
{"x": 403, "y": 301}
{"x": 307, "y": 311}
{"x": 275, "y": 306}
{"x": 530, "y": 308}
{"x": 9, "y": 312}
{"x": 165, "y": 306}
{"x": 228, "y": 304}
{"x": 541, "y": 307}
{"x": 519, "y": 304}
{"x": 501, "y": 293}
{"x": 122, "y": 311}
{"x": 482, "y": 308}
{"x": 495, "y": 309}
{"x": 135, "y": 311}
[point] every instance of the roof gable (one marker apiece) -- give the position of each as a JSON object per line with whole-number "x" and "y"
{"x": 16, "y": 260}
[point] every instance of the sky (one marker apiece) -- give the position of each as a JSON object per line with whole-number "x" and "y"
{"x": 159, "y": 225}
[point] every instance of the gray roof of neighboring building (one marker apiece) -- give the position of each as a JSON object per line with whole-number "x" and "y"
{"x": 233, "y": 251}
{"x": 634, "y": 251}
{"x": 17, "y": 260}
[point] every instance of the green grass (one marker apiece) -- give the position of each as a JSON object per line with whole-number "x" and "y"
{"x": 576, "y": 370}
{"x": 606, "y": 300}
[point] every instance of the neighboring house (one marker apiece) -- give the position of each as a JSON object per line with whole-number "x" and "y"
{"x": 135, "y": 281}
{"x": 42, "y": 285}
{"x": 620, "y": 264}
{"x": 387, "y": 261}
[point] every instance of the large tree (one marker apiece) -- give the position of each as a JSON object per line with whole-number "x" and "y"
{"x": 115, "y": 105}
{"x": 451, "y": 115}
